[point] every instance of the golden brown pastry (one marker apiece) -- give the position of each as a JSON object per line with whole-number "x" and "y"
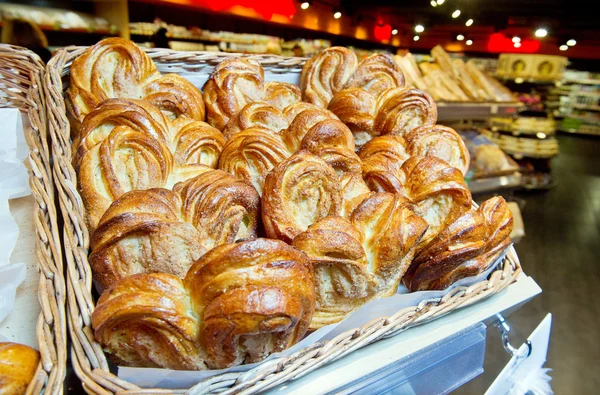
{"x": 326, "y": 74}
{"x": 195, "y": 143}
{"x": 223, "y": 207}
{"x": 336, "y": 68}
{"x": 256, "y": 114}
{"x": 291, "y": 111}
{"x": 301, "y": 123}
{"x": 238, "y": 304}
{"x": 354, "y": 191}
{"x": 341, "y": 159}
{"x": 281, "y": 94}
{"x": 250, "y": 155}
{"x": 343, "y": 281}
{"x": 237, "y": 82}
{"x": 437, "y": 189}
{"x": 147, "y": 320}
{"x": 144, "y": 232}
{"x": 439, "y": 141}
{"x": 255, "y": 298}
{"x": 391, "y": 231}
{"x": 357, "y": 108}
{"x": 467, "y": 247}
{"x": 117, "y": 68}
{"x": 382, "y": 159}
{"x": 18, "y": 364}
{"x": 297, "y": 193}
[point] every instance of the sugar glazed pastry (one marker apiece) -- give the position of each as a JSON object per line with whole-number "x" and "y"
{"x": 117, "y": 68}
{"x": 217, "y": 244}
{"x": 237, "y": 304}
{"x": 18, "y": 364}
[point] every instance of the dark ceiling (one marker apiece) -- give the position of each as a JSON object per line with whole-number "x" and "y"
{"x": 557, "y": 15}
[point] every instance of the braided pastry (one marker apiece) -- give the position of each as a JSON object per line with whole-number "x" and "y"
{"x": 256, "y": 114}
{"x": 236, "y": 82}
{"x": 391, "y": 231}
{"x": 125, "y": 147}
{"x": 439, "y": 141}
{"x": 144, "y": 232}
{"x": 117, "y": 68}
{"x": 343, "y": 281}
{"x": 238, "y": 304}
{"x": 18, "y": 365}
{"x": 250, "y": 155}
{"x": 225, "y": 208}
{"x": 297, "y": 193}
{"x": 437, "y": 189}
{"x": 465, "y": 248}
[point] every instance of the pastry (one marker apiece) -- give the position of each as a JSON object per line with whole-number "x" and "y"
{"x": 250, "y": 155}
{"x": 437, "y": 189}
{"x": 237, "y": 304}
{"x": 382, "y": 159}
{"x": 236, "y": 82}
{"x": 439, "y": 141}
{"x": 159, "y": 230}
{"x": 303, "y": 120}
{"x": 467, "y": 247}
{"x": 127, "y": 145}
{"x": 297, "y": 193}
{"x": 254, "y": 114}
{"x": 18, "y": 364}
{"x": 336, "y": 68}
{"x": 117, "y": 68}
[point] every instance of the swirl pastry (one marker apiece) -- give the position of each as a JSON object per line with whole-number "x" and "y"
{"x": 147, "y": 320}
{"x": 117, "y": 68}
{"x": 256, "y": 114}
{"x": 343, "y": 281}
{"x": 18, "y": 364}
{"x": 255, "y": 298}
{"x": 225, "y": 208}
{"x": 391, "y": 232}
{"x": 237, "y": 304}
{"x": 196, "y": 143}
{"x": 439, "y": 141}
{"x": 236, "y": 82}
{"x": 382, "y": 159}
{"x": 354, "y": 191}
{"x": 467, "y": 247}
{"x": 125, "y": 147}
{"x": 376, "y": 74}
{"x": 144, "y": 232}
{"x": 302, "y": 123}
{"x": 250, "y": 155}
{"x": 297, "y": 193}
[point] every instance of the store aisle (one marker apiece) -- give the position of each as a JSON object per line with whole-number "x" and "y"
{"x": 561, "y": 250}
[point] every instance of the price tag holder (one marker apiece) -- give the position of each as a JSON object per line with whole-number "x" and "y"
{"x": 518, "y": 369}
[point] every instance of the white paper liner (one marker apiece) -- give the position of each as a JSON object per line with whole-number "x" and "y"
{"x": 13, "y": 183}
{"x": 385, "y": 307}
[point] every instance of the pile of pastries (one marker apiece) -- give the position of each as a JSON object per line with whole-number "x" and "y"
{"x": 227, "y": 223}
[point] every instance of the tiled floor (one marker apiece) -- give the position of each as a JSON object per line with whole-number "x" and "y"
{"x": 561, "y": 251}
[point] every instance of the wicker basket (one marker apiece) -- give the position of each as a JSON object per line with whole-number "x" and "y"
{"x": 89, "y": 361}
{"x": 22, "y": 85}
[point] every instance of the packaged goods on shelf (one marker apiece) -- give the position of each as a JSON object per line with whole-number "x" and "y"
{"x": 531, "y": 67}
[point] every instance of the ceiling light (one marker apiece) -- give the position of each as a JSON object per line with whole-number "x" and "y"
{"x": 456, "y": 14}
{"x": 469, "y": 42}
{"x": 395, "y": 31}
{"x": 440, "y": 2}
{"x": 516, "y": 39}
{"x": 469, "y": 22}
{"x": 305, "y": 5}
{"x": 460, "y": 37}
{"x": 416, "y": 38}
{"x": 337, "y": 15}
{"x": 563, "y": 47}
{"x": 433, "y": 3}
{"x": 571, "y": 42}
{"x": 517, "y": 45}
{"x": 419, "y": 28}
{"x": 541, "y": 32}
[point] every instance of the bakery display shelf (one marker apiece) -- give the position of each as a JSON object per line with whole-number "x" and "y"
{"x": 477, "y": 111}
{"x": 583, "y": 81}
{"x": 591, "y": 131}
{"x": 586, "y": 94}
{"x": 78, "y": 30}
{"x": 526, "y": 133}
{"x": 497, "y": 183}
{"x": 586, "y": 107}
{"x": 387, "y": 363}
{"x": 198, "y": 39}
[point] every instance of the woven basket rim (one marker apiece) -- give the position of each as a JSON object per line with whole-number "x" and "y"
{"x": 89, "y": 361}
{"x": 22, "y": 74}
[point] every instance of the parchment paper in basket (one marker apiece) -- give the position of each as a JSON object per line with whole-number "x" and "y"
{"x": 165, "y": 378}
{"x": 13, "y": 151}
{"x": 13, "y": 183}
